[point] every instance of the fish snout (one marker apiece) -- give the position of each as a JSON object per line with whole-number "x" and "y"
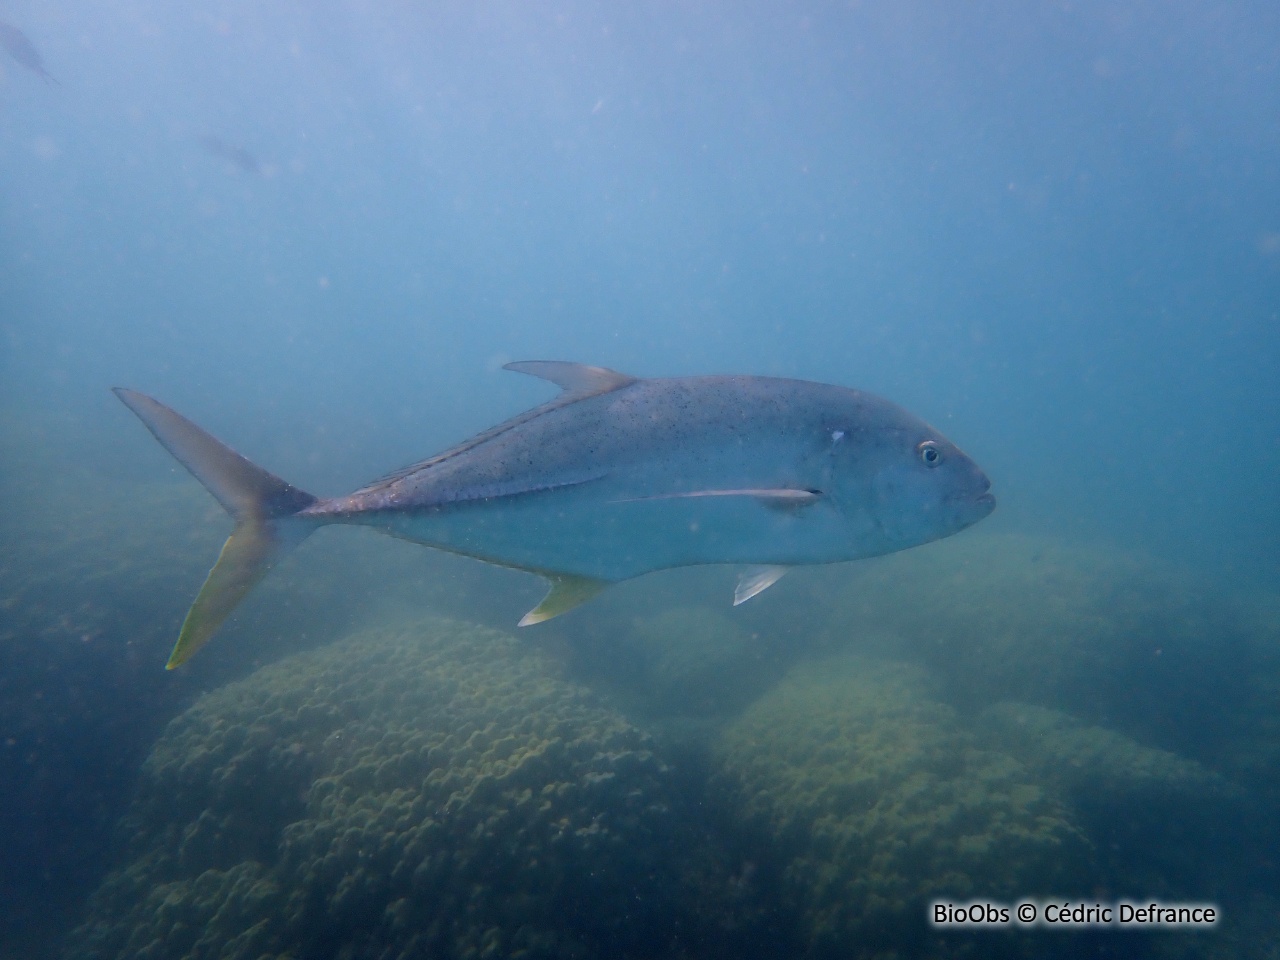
{"x": 975, "y": 500}
{"x": 984, "y": 501}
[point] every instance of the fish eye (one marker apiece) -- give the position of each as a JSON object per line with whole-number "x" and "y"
{"x": 930, "y": 453}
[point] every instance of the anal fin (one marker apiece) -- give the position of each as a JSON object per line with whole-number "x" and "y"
{"x": 567, "y": 591}
{"x": 756, "y": 580}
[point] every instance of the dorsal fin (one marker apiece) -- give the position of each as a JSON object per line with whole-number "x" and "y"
{"x": 575, "y": 378}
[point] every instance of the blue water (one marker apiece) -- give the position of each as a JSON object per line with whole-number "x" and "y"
{"x": 1053, "y": 230}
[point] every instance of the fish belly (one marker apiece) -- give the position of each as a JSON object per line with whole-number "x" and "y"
{"x": 618, "y": 539}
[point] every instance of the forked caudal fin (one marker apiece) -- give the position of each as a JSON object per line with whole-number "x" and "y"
{"x": 262, "y": 505}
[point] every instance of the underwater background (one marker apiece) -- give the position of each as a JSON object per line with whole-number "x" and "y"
{"x": 319, "y": 230}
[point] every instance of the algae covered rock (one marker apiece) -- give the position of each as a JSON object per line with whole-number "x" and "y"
{"x": 691, "y": 660}
{"x": 422, "y": 791}
{"x": 1098, "y": 766}
{"x": 1160, "y": 819}
{"x": 1118, "y": 639}
{"x": 880, "y": 805}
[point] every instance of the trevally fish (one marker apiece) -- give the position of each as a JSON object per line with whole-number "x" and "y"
{"x": 616, "y": 477}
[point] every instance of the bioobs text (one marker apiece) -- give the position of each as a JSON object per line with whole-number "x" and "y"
{"x": 973, "y": 914}
{"x": 1062, "y": 914}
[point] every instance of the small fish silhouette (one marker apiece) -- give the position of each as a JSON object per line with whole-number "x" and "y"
{"x": 238, "y": 157}
{"x": 23, "y": 51}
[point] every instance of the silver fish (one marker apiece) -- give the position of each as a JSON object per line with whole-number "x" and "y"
{"x": 616, "y": 477}
{"x": 239, "y": 158}
{"x": 23, "y": 51}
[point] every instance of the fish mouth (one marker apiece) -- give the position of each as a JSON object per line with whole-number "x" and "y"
{"x": 986, "y": 499}
{"x": 983, "y": 504}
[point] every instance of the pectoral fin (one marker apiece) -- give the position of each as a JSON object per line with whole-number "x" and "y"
{"x": 756, "y": 580}
{"x": 779, "y": 496}
{"x": 567, "y": 592}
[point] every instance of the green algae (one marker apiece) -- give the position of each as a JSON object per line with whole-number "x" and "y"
{"x": 879, "y": 804}
{"x": 1114, "y": 638}
{"x": 692, "y": 661}
{"x": 1098, "y": 765}
{"x": 1143, "y": 699}
{"x": 1166, "y": 825}
{"x": 428, "y": 790}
